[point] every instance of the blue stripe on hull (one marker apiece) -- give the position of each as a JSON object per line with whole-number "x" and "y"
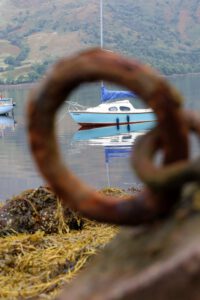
{"x": 89, "y": 119}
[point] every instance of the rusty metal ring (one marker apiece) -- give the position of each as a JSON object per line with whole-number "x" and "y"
{"x": 171, "y": 176}
{"x": 45, "y": 100}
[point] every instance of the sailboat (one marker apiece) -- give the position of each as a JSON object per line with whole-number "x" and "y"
{"x": 114, "y": 109}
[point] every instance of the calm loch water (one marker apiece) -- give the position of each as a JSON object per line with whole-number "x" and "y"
{"x": 100, "y": 156}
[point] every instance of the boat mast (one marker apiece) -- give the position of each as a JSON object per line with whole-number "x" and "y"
{"x": 101, "y": 22}
{"x": 101, "y": 27}
{"x": 108, "y": 173}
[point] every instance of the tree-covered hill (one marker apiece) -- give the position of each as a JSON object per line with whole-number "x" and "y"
{"x": 34, "y": 33}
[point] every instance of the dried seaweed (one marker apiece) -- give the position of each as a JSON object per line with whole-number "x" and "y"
{"x": 40, "y": 258}
{"x": 34, "y": 210}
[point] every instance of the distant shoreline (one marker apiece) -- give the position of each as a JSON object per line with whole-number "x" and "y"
{"x": 17, "y": 86}
{"x": 31, "y": 84}
{"x": 182, "y": 74}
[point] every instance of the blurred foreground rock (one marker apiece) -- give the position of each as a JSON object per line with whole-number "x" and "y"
{"x": 161, "y": 261}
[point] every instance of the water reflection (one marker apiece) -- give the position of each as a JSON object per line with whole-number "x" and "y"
{"x": 6, "y": 123}
{"x": 123, "y": 135}
{"x": 116, "y": 141}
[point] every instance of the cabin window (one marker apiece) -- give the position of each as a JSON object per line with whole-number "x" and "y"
{"x": 112, "y": 108}
{"x": 124, "y": 108}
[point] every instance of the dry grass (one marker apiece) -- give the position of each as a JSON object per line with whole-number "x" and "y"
{"x": 22, "y": 70}
{"x": 6, "y": 49}
{"x": 52, "y": 44}
{"x": 38, "y": 265}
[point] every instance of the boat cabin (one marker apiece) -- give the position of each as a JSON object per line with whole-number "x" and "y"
{"x": 121, "y": 106}
{"x": 116, "y": 106}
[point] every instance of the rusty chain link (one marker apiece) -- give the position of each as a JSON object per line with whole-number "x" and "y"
{"x": 163, "y": 184}
{"x": 173, "y": 175}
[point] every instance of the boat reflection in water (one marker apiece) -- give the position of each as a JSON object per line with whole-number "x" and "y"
{"x": 116, "y": 140}
{"x": 6, "y": 122}
{"x": 123, "y": 135}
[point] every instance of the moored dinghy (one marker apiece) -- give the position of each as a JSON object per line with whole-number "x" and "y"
{"x": 6, "y": 105}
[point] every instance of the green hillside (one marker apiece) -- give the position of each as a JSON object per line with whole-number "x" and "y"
{"x": 34, "y": 33}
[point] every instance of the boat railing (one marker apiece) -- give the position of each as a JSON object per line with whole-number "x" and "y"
{"x": 74, "y": 106}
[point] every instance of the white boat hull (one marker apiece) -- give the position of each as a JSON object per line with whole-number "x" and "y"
{"x": 4, "y": 109}
{"x": 6, "y": 105}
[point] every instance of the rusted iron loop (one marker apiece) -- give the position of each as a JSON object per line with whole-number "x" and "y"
{"x": 45, "y": 100}
{"x": 171, "y": 176}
